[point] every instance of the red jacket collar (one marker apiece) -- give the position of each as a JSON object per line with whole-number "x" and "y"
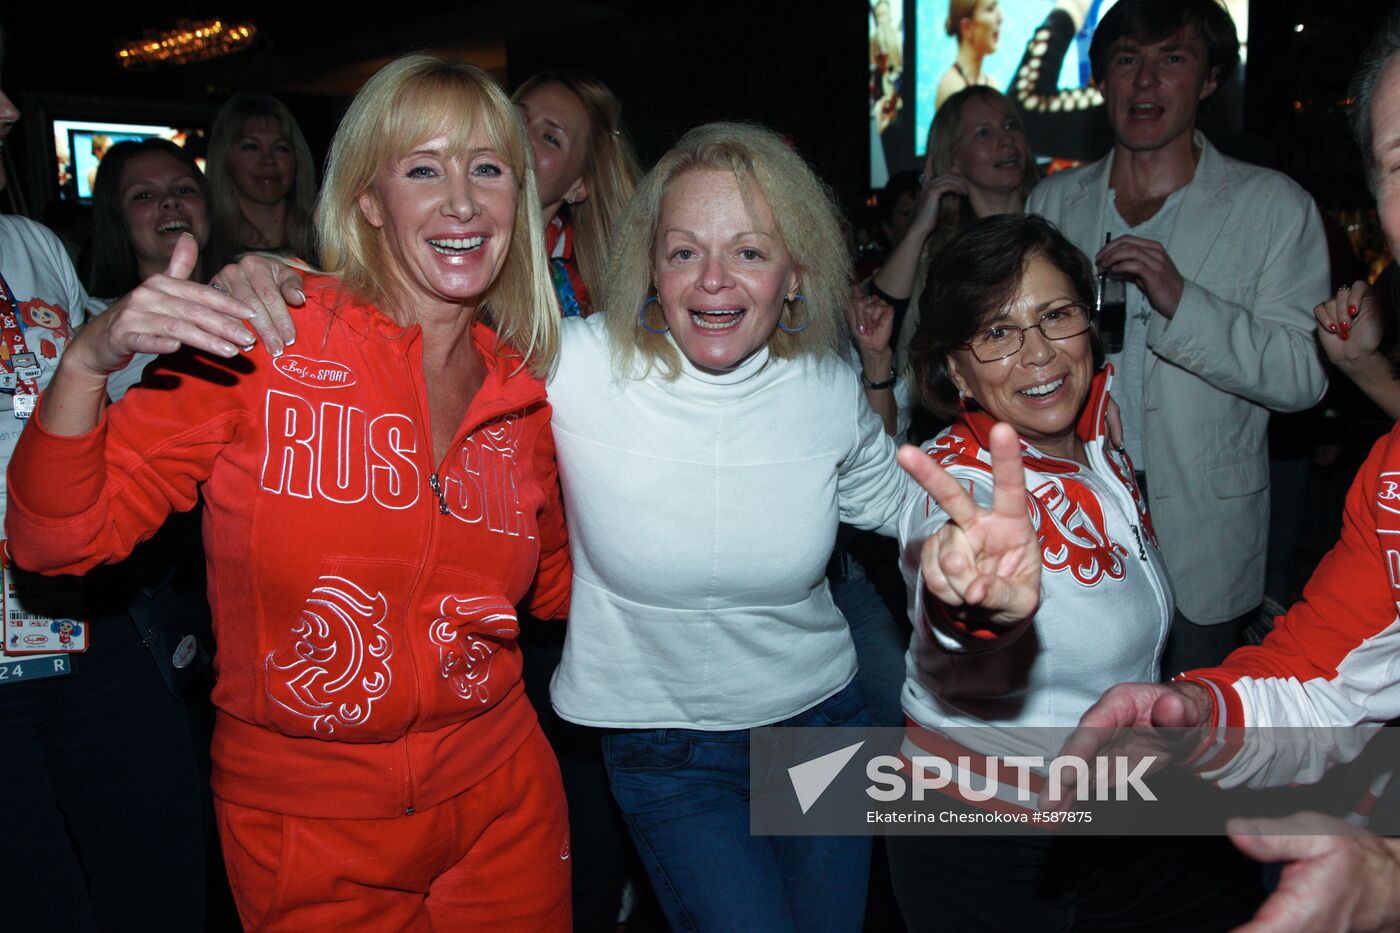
{"x": 511, "y": 384}
{"x": 559, "y": 239}
{"x": 506, "y": 373}
{"x": 1090, "y": 427}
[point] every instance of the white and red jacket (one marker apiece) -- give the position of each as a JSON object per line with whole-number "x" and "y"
{"x": 1332, "y": 661}
{"x": 363, "y": 594}
{"x": 1105, "y": 608}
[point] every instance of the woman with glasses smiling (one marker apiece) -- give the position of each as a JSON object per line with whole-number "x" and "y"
{"x": 1005, "y": 338}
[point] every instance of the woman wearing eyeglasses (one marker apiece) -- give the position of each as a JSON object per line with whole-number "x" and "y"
{"x": 1005, "y": 338}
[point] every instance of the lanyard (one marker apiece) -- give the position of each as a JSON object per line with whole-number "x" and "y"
{"x": 20, "y": 374}
{"x": 564, "y": 289}
{"x": 568, "y": 284}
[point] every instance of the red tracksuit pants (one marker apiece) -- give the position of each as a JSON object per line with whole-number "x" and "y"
{"x": 495, "y": 857}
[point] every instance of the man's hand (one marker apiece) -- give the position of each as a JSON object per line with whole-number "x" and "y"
{"x": 1162, "y": 706}
{"x": 1123, "y": 721}
{"x": 1145, "y": 262}
{"x": 162, "y": 314}
{"x": 1346, "y": 880}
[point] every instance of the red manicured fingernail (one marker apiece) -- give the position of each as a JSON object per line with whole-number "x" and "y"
{"x": 1331, "y": 328}
{"x": 1352, "y": 310}
{"x": 1346, "y": 330}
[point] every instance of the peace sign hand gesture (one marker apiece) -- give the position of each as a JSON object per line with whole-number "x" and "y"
{"x": 983, "y": 559}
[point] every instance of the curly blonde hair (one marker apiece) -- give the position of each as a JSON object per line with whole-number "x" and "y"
{"x": 410, "y": 100}
{"x": 808, "y": 224}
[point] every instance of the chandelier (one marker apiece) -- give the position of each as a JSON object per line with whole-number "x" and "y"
{"x": 187, "y": 42}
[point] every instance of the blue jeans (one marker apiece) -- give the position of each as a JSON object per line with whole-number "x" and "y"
{"x": 880, "y": 643}
{"x": 685, "y": 796}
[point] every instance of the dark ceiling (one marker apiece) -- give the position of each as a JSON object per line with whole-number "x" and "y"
{"x": 300, "y": 47}
{"x": 798, "y": 66}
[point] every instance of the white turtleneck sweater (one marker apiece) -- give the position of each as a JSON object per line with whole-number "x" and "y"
{"x": 702, "y": 512}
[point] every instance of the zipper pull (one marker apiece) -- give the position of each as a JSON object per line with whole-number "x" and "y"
{"x": 442, "y": 500}
{"x": 1142, "y": 551}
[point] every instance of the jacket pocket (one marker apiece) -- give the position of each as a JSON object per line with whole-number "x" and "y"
{"x": 646, "y": 750}
{"x": 329, "y": 672}
{"x": 257, "y": 856}
{"x": 1242, "y": 478}
{"x": 471, "y": 629}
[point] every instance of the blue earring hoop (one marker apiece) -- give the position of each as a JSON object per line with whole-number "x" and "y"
{"x": 803, "y": 326}
{"x": 642, "y": 316}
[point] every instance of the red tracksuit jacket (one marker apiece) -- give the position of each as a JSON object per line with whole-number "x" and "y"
{"x": 1333, "y": 661}
{"x": 363, "y": 595}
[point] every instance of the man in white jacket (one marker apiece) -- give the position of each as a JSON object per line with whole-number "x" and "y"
{"x": 1224, "y": 263}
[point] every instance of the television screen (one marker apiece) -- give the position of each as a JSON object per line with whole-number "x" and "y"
{"x": 80, "y": 144}
{"x": 1034, "y": 51}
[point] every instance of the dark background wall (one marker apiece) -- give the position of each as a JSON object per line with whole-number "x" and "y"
{"x": 799, "y": 67}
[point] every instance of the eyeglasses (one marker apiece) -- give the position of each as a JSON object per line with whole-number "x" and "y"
{"x": 1003, "y": 340}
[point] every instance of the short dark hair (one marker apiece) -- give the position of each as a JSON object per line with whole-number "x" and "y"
{"x": 1363, "y": 90}
{"x": 113, "y": 259}
{"x": 900, "y": 183}
{"x": 975, "y": 276}
{"x": 1148, "y": 21}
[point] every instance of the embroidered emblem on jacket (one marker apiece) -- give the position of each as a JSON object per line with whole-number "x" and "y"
{"x": 315, "y": 374}
{"x": 338, "y": 664}
{"x": 1388, "y": 495}
{"x": 468, "y": 632}
{"x": 1073, "y": 533}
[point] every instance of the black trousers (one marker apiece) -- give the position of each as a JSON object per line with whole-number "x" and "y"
{"x": 599, "y": 841}
{"x": 1191, "y": 646}
{"x": 1029, "y": 884}
{"x": 102, "y": 805}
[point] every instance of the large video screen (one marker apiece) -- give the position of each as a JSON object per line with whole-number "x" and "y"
{"x": 1034, "y": 51}
{"x": 80, "y": 144}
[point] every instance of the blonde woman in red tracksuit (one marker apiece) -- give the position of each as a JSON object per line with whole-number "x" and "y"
{"x": 378, "y": 499}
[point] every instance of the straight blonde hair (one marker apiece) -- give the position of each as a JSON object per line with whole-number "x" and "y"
{"x": 227, "y": 237}
{"x": 955, "y": 211}
{"x": 409, "y": 101}
{"x": 610, "y": 169}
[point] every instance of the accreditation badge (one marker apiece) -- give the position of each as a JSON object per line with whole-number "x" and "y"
{"x": 26, "y": 366}
{"x": 24, "y": 404}
{"x": 43, "y": 624}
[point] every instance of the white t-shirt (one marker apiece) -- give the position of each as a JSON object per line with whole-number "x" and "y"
{"x": 1131, "y": 364}
{"x": 52, "y": 305}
